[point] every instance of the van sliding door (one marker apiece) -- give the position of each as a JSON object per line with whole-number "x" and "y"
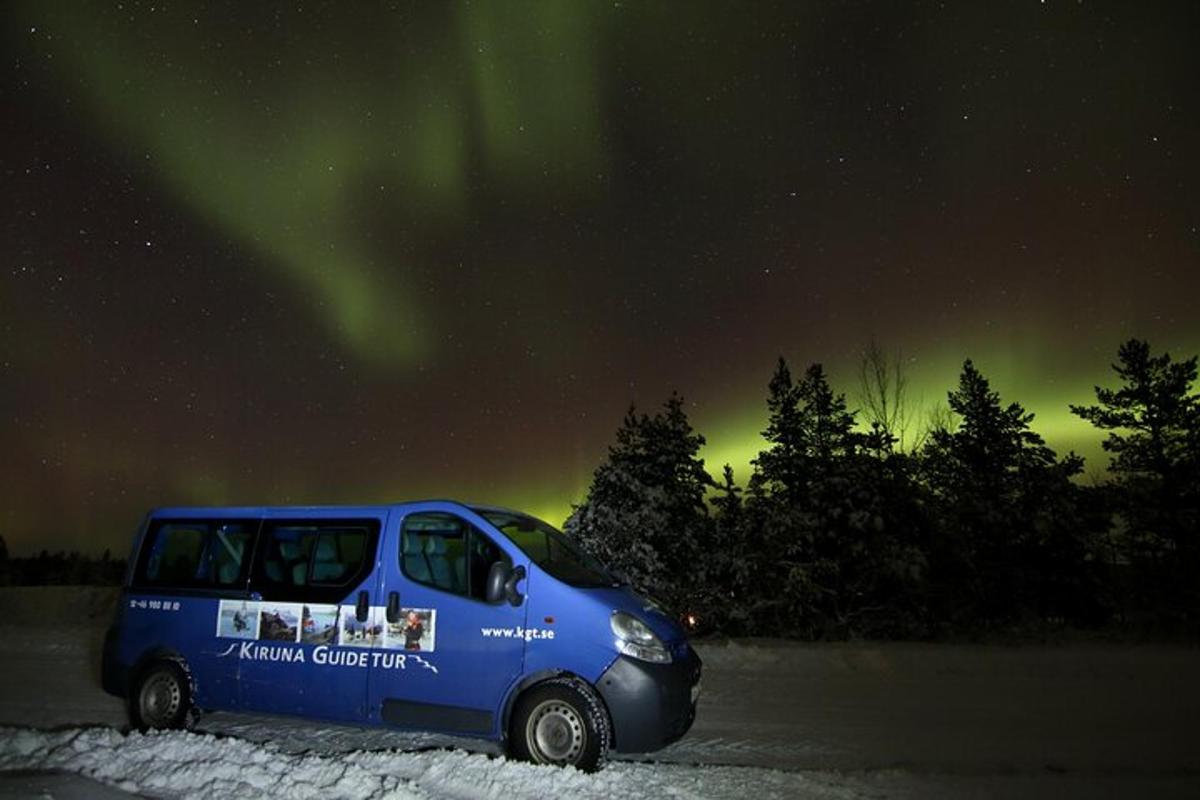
{"x": 310, "y": 571}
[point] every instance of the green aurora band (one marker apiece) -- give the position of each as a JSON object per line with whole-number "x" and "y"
{"x": 288, "y": 162}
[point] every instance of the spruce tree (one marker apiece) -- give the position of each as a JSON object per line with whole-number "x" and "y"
{"x": 820, "y": 508}
{"x": 778, "y": 518}
{"x": 1008, "y": 514}
{"x": 779, "y": 470}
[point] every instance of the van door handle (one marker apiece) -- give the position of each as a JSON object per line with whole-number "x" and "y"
{"x": 363, "y": 608}
{"x": 393, "y": 607}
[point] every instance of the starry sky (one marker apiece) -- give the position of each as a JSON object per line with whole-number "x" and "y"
{"x": 320, "y": 253}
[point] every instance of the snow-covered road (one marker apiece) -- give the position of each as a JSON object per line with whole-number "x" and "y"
{"x": 776, "y": 719}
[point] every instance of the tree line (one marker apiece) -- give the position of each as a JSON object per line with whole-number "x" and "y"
{"x": 60, "y": 569}
{"x": 849, "y": 526}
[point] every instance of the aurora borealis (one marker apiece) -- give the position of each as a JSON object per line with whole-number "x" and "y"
{"x": 271, "y": 253}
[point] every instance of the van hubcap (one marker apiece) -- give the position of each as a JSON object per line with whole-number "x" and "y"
{"x": 159, "y": 700}
{"x": 556, "y": 733}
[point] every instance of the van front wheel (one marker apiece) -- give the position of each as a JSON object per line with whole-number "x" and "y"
{"x": 560, "y": 722}
{"x": 161, "y": 699}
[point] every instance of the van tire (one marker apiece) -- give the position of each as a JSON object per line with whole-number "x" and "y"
{"x": 161, "y": 698}
{"x": 562, "y": 722}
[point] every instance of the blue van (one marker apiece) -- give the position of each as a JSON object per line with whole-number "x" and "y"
{"x": 433, "y": 616}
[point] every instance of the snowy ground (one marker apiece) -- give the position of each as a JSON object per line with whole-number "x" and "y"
{"x": 776, "y": 719}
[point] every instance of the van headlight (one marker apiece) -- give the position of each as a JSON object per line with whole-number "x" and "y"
{"x": 636, "y": 640}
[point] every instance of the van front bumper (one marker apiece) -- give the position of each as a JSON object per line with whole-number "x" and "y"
{"x": 651, "y": 705}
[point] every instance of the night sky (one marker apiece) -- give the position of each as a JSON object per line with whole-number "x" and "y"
{"x": 264, "y": 253}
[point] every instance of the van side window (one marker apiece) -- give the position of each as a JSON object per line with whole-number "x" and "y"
{"x": 448, "y": 553}
{"x": 317, "y": 560}
{"x": 196, "y": 554}
{"x": 228, "y": 548}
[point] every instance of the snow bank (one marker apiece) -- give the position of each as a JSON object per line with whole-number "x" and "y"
{"x": 186, "y": 765}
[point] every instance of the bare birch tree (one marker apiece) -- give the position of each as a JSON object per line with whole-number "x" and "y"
{"x": 883, "y": 393}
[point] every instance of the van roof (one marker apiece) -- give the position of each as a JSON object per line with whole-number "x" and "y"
{"x": 319, "y": 510}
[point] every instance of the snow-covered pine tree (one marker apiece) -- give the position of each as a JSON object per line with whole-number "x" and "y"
{"x": 797, "y": 507}
{"x": 1153, "y": 424}
{"x": 830, "y": 519}
{"x": 644, "y": 514}
{"x": 726, "y": 589}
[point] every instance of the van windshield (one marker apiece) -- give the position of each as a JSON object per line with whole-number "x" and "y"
{"x": 550, "y": 550}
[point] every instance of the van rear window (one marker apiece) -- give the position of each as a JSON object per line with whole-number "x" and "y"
{"x": 314, "y": 560}
{"x": 196, "y": 554}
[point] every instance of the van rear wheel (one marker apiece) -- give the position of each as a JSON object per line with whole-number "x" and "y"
{"x": 560, "y": 722}
{"x": 161, "y": 698}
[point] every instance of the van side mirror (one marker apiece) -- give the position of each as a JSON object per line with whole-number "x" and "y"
{"x": 502, "y": 581}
